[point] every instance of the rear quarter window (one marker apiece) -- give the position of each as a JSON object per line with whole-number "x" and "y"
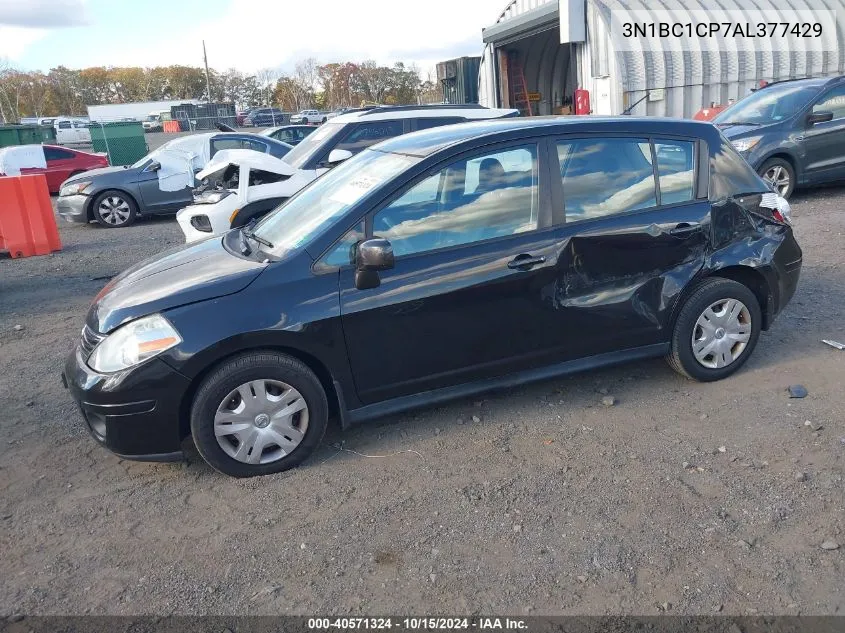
{"x": 730, "y": 175}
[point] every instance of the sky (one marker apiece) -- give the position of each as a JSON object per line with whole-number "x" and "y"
{"x": 243, "y": 34}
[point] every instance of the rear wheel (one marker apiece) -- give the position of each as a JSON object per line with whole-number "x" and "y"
{"x": 716, "y": 330}
{"x": 257, "y": 414}
{"x": 780, "y": 174}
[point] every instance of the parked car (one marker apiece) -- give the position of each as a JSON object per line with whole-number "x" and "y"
{"x": 72, "y": 131}
{"x": 241, "y": 116}
{"x": 337, "y": 112}
{"x": 436, "y": 265}
{"x": 309, "y": 117}
{"x": 234, "y": 180}
{"x": 331, "y": 143}
{"x": 264, "y": 117}
{"x": 791, "y": 132}
{"x": 290, "y": 134}
{"x": 154, "y": 121}
{"x": 161, "y": 182}
{"x": 56, "y": 163}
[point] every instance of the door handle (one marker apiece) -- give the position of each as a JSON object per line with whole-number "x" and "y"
{"x": 685, "y": 228}
{"x": 525, "y": 262}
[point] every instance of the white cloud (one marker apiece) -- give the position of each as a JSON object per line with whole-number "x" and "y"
{"x": 43, "y": 13}
{"x": 255, "y": 34}
{"x": 24, "y": 22}
{"x": 14, "y": 40}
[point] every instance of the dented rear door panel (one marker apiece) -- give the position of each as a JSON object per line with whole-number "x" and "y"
{"x": 619, "y": 277}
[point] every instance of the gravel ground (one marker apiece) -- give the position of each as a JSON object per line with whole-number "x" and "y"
{"x": 682, "y": 498}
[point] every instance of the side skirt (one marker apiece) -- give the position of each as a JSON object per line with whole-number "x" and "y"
{"x": 396, "y": 405}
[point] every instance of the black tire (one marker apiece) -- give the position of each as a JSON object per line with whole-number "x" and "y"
{"x": 324, "y": 120}
{"x": 774, "y": 164}
{"x": 238, "y": 371}
{"x": 111, "y": 197}
{"x": 681, "y": 356}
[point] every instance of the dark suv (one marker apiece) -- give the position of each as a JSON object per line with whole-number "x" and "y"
{"x": 265, "y": 117}
{"x": 435, "y": 265}
{"x": 791, "y": 132}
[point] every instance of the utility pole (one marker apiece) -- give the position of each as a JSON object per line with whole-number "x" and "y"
{"x": 207, "y": 81}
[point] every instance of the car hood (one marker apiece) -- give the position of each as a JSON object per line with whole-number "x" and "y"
{"x": 738, "y": 131}
{"x": 103, "y": 173}
{"x": 179, "y": 276}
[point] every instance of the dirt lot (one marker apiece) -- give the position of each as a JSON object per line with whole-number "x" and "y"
{"x": 538, "y": 499}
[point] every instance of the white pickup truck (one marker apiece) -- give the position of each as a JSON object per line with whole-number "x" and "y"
{"x": 308, "y": 117}
{"x": 72, "y": 131}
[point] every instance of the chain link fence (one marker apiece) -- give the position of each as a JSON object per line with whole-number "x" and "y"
{"x": 126, "y": 140}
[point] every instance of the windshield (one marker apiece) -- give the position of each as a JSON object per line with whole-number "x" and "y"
{"x": 768, "y": 105}
{"x": 311, "y": 144}
{"x": 297, "y": 222}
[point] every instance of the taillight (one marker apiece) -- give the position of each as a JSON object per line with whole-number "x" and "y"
{"x": 778, "y": 216}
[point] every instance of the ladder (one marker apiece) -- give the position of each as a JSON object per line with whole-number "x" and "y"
{"x": 518, "y": 89}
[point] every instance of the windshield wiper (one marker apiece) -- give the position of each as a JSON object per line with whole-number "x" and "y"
{"x": 246, "y": 231}
{"x": 739, "y": 123}
{"x": 245, "y": 248}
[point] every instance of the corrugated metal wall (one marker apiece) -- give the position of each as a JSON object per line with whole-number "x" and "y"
{"x": 693, "y": 79}
{"x": 690, "y": 79}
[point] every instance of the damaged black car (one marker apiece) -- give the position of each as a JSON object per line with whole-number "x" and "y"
{"x": 435, "y": 265}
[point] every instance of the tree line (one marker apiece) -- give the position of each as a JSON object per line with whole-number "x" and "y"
{"x": 66, "y": 91}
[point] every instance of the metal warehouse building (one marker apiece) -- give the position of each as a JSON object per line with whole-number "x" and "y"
{"x": 540, "y": 51}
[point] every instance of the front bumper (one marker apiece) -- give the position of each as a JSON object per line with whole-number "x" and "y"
{"x": 73, "y": 208}
{"x": 218, "y": 217}
{"x": 133, "y": 413}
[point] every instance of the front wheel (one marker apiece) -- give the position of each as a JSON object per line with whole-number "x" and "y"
{"x": 114, "y": 209}
{"x": 716, "y": 330}
{"x": 779, "y": 174}
{"x": 257, "y": 414}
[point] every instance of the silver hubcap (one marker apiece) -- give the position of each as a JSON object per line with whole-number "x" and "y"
{"x": 114, "y": 210}
{"x": 261, "y": 421}
{"x": 721, "y": 333}
{"x": 779, "y": 177}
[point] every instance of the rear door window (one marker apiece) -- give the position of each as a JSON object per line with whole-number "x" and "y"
{"x": 675, "y": 170}
{"x": 605, "y": 176}
{"x": 54, "y": 153}
{"x": 363, "y": 135}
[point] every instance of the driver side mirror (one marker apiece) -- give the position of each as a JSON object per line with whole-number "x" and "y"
{"x": 154, "y": 166}
{"x": 822, "y": 116}
{"x": 338, "y": 156}
{"x": 372, "y": 256}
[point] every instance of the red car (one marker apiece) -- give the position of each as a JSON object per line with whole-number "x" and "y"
{"x": 62, "y": 163}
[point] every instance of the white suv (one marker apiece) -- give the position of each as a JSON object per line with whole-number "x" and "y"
{"x": 333, "y": 142}
{"x": 308, "y": 116}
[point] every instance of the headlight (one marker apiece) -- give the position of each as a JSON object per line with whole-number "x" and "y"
{"x": 212, "y": 197}
{"x": 134, "y": 343}
{"x": 746, "y": 144}
{"x": 74, "y": 188}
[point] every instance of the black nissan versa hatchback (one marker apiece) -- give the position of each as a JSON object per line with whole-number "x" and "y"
{"x": 436, "y": 265}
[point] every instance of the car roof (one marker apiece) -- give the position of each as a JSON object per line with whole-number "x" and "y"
{"x": 807, "y": 81}
{"x": 433, "y": 139}
{"x": 383, "y": 113}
